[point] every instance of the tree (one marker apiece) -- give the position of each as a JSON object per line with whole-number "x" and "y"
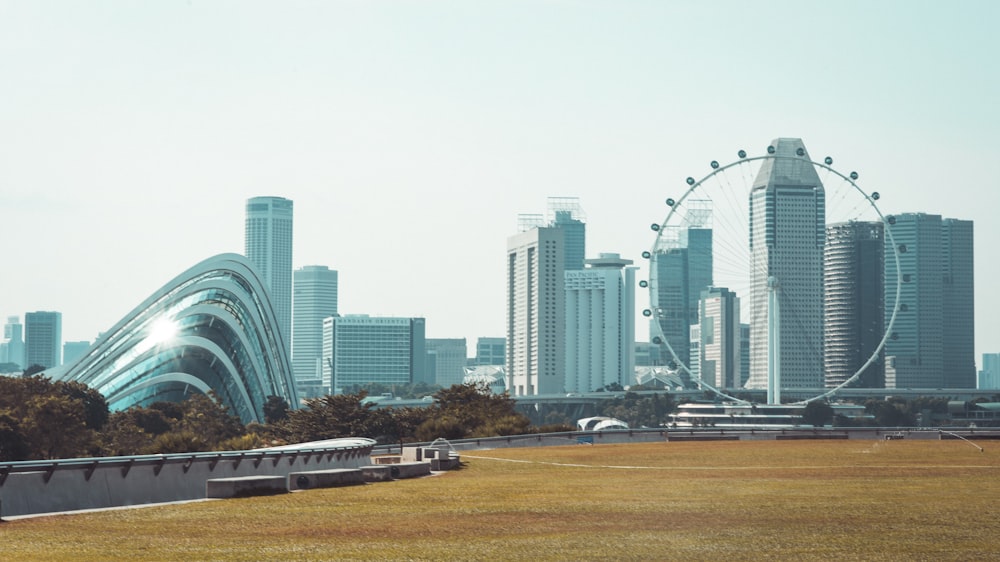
{"x": 13, "y": 446}
{"x": 640, "y": 410}
{"x": 817, "y": 413}
{"x": 406, "y": 421}
{"x": 53, "y": 420}
{"x": 893, "y": 412}
{"x": 206, "y": 417}
{"x": 179, "y": 442}
{"x": 95, "y": 407}
{"x": 132, "y": 431}
{"x": 335, "y": 416}
{"x": 275, "y": 409}
{"x": 471, "y": 410}
{"x": 55, "y": 427}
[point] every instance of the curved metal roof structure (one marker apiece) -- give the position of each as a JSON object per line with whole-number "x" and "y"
{"x": 212, "y": 328}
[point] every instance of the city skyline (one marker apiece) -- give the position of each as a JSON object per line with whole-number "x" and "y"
{"x": 130, "y": 139}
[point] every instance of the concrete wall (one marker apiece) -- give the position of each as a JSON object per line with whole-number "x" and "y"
{"x": 68, "y": 485}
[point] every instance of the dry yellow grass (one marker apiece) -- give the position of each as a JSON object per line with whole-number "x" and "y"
{"x": 854, "y": 500}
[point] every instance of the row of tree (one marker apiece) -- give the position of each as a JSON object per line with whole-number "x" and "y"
{"x": 41, "y": 419}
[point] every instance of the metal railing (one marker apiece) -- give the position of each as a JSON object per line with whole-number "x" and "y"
{"x": 255, "y": 456}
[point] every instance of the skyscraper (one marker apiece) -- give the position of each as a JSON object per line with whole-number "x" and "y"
{"x": 449, "y": 359}
{"x": 787, "y": 232}
{"x": 600, "y": 324}
{"x": 915, "y": 352}
{"x": 567, "y": 214}
{"x": 13, "y": 344}
{"x": 854, "y": 303}
{"x": 932, "y": 341}
{"x": 719, "y": 363}
{"x": 958, "y": 292}
{"x": 315, "y": 298}
{"x": 491, "y": 351}
{"x": 989, "y": 377}
{"x": 682, "y": 263}
{"x": 73, "y": 350}
{"x": 359, "y": 350}
{"x": 269, "y": 248}
{"x": 535, "y": 311}
{"x": 42, "y": 339}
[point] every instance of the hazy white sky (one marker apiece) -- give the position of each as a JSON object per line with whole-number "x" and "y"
{"x": 411, "y": 134}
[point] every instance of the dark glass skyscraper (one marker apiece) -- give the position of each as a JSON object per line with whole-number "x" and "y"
{"x": 959, "y": 304}
{"x": 853, "y": 307}
{"x": 43, "y": 339}
{"x": 934, "y": 331}
{"x": 682, "y": 265}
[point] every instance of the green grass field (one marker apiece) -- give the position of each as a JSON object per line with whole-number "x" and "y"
{"x": 830, "y": 500}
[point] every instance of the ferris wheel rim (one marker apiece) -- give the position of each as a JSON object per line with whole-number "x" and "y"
{"x": 851, "y": 178}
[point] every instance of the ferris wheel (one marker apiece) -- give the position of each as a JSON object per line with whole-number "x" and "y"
{"x": 784, "y": 255}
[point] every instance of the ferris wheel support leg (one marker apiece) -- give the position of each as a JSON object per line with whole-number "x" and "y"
{"x": 773, "y": 343}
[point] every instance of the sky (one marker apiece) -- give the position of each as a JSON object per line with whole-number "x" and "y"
{"x": 411, "y": 134}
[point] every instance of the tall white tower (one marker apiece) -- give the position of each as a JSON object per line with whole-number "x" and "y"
{"x": 535, "y": 311}
{"x": 787, "y": 233}
{"x": 600, "y": 324}
{"x": 269, "y": 247}
{"x": 718, "y": 342}
{"x": 315, "y": 298}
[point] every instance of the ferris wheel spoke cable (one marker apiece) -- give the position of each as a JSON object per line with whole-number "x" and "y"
{"x": 717, "y": 202}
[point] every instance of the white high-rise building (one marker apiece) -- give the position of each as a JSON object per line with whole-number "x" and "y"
{"x": 314, "y": 298}
{"x": 719, "y": 335}
{"x": 535, "y": 312}
{"x": 269, "y": 248}
{"x": 43, "y": 339}
{"x": 787, "y": 232}
{"x": 600, "y": 324}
